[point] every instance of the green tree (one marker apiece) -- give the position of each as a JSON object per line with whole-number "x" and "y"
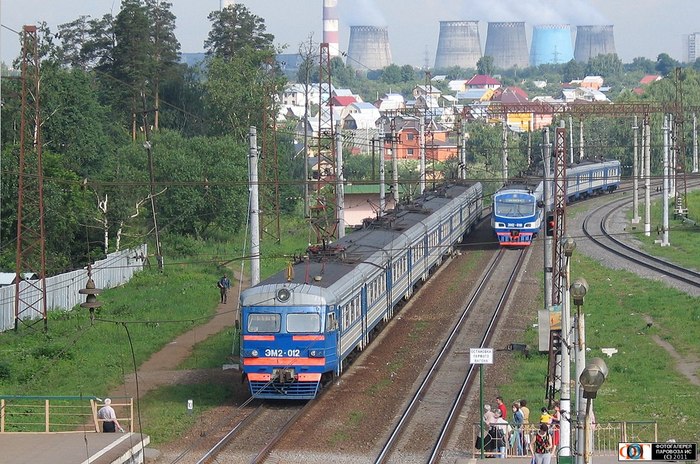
{"x": 392, "y": 74}
{"x": 606, "y": 66}
{"x": 72, "y": 37}
{"x": 642, "y": 64}
{"x": 573, "y": 70}
{"x": 485, "y": 65}
{"x": 238, "y": 93}
{"x": 665, "y": 64}
{"x": 408, "y": 74}
{"x": 166, "y": 48}
{"x": 70, "y": 101}
{"x": 234, "y": 29}
{"x": 133, "y": 65}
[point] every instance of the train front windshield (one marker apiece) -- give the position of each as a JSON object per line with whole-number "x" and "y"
{"x": 514, "y": 205}
{"x": 294, "y": 323}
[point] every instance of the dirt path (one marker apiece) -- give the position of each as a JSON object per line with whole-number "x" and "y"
{"x": 160, "y": 368}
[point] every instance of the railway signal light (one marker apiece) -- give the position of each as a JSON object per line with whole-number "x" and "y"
{"x": 550, "y": 225}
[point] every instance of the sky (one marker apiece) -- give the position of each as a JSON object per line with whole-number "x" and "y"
{"x": 641, "y": 27}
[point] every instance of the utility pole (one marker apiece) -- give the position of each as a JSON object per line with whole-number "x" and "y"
{"x": 546, "y": 159}
{"x": 635, "y": 174}
{"x": 269, "y": 162}
{"x": 323, "y": 210}
{"x": 152, "y": 182}
{"x": 421, "y": 150}
{"x": 340, "y": 182}
{"x": 30, "y": 294}
{"x": 667, "y": 142}
{"x": 254, "y": 207}
{"x": 647, "y": 176}
{"x": 504, "y": 143}
{"x": 382, "y": 180}
{"x": 695, "y": 143}
{"x": 394, "y": 164}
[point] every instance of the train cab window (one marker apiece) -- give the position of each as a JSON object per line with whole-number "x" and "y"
{"x": 305, "y": 322}
{"x": 263, "y": 323}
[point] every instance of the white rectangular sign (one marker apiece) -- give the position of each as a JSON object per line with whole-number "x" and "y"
{"x": 480, "y": 355}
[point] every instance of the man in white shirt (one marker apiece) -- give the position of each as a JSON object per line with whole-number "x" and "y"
{"x": 109, "y": 418}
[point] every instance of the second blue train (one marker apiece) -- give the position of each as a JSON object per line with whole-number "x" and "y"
{"x": 519, "y": 207}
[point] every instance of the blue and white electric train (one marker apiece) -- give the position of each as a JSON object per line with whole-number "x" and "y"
{"x": 518, "y": 208}
{"x": 299, "y": 326}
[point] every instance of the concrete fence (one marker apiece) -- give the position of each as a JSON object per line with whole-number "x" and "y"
{"x": 62, "y": 290}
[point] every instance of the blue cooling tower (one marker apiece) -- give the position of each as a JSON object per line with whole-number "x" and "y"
{"x": 551, "y": 44}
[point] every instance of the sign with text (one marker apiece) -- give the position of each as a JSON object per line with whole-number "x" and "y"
{"x": 668, "y": 451}
{"x": 480, "y": 355}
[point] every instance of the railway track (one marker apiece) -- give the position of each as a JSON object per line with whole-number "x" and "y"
{"x": 598, "y": 229}
{"x": 276, "y": 418}
{"x": 430, "y": 414}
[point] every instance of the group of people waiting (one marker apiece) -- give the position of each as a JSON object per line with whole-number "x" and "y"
{"x": 517, "y": 434}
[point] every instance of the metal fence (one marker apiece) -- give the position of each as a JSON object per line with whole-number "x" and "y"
{"x": 62, "y": 290}
{"x": 606, "y": 436}
{"x": 49, "y": 414}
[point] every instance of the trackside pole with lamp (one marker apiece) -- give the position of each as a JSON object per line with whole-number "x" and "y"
{"x": 578, "y": 291}
{"x": 481, "y": 356}
{"x": 591, "y": 380}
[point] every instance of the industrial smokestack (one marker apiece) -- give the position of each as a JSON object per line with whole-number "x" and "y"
{"x": 551, "y": 44}
{"x": 506, "y": 42}
{"x": 369, "y": 47}
{"x": 592, "y": 41}
{"x": 330, "y": 26}
{"x": 458, "y": 44}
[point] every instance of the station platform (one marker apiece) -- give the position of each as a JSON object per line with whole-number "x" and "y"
{"x": 72, "y": 448}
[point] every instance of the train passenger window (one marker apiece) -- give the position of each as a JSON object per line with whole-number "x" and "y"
{"x": 263, "y": 323}
{"x": 305, "y": 322}
{"x": 331, "y": 322}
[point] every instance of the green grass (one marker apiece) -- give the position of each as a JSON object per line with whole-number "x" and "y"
{"x": 77, "y": 357}
{"x": 164, "y": 414}
{"x": 684, "y": 237}
{"x": 642, "y": 384}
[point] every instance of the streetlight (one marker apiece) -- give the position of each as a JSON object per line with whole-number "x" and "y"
{"x": 591, "y": 380}
{"x": 569, "y": 245}
{"x": 578, "y": 290}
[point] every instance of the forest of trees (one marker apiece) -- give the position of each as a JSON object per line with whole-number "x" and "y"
{"x": 113, "y": 92}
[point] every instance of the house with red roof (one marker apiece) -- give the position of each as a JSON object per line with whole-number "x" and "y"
{"x": 482, "y": 81}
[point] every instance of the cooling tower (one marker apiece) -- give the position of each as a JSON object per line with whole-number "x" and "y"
{"x": 369, "y": 47}
{"x": 458, "y": 44}
{"x": 506, "y": 42}
{"x": 592, "y": 41}
{"x": 551, "y": 44}
{"x": 330, "y": 26}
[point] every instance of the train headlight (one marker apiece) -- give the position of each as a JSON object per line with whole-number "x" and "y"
{"x": 283, "y": 295}
{"x": 316, "y": 353}
{"x": 254, "y": 353}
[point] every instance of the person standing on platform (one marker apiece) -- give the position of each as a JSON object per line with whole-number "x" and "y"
{"x": 110, "y": 424}
{"x": 502, "y": 407}
{"x": 541, "y": 445}
{"x": 526, "y": 423}
{"x": 516, "y": 439}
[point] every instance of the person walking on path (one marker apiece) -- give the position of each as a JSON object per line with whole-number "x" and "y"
{"x": 541, "y": 445}
{"x": 110, "y": 424}
{"x": 224, "y": 284}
